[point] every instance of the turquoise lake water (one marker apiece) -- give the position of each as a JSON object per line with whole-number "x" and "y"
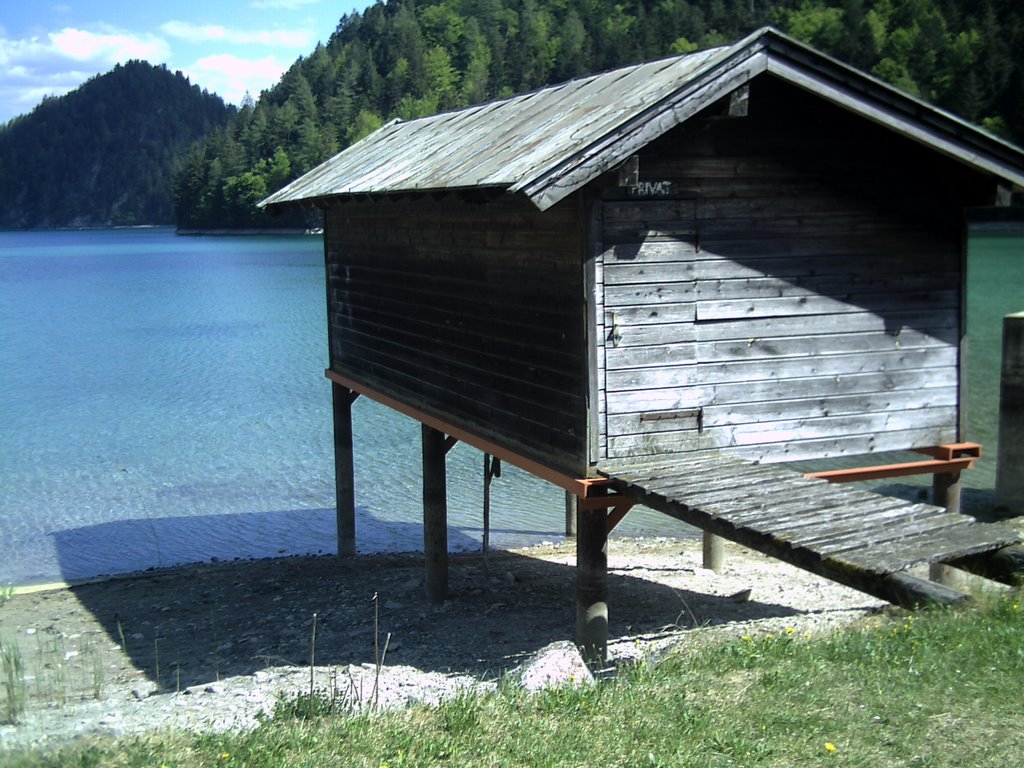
{"x": 162, "y": 401}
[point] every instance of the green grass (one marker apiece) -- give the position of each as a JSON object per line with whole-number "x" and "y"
{"x": 936, "y": 688}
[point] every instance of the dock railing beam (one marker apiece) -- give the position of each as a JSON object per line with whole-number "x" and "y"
{"x": 344, "y": 472}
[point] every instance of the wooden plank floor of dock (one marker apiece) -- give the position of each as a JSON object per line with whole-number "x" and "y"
{"x": 862, "y": 539}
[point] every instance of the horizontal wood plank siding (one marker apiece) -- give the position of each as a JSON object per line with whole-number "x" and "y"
{"x": 470, "y": 311}
{"x": 778, "y": 306}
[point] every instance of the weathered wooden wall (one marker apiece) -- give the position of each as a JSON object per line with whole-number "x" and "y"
{"x": 783, "y": 285}
{"x": 469, "y": 310}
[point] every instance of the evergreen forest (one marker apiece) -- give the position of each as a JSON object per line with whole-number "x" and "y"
{"x": 113, "y": 143}
{"x": 409, "y": 58}
{"x": 106, "y": 153}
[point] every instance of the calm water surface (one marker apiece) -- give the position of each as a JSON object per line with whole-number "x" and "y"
{"x": 162, "y": 400}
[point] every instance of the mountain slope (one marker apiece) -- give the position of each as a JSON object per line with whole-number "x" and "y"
{"x": 104, "y": 154}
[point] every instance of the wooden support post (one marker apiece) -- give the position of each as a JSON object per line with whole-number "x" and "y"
{"x": 714, "y": 552}
{"x": 571, "y": 505}
{"x": 1010, "y": 457}
{"x": 945, "y": 493}
{"x": 344, "y": 472}
{"x": 435, "y": 514}
{"x": 592, "y": 584}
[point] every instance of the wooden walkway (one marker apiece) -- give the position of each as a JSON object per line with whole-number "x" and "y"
{"x": 857, "y": 538}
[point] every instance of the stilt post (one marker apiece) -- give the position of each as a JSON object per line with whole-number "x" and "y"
{"x": 344, "y": 471}
{"x": 571, "y": 505}
{"x": 592, "y": 584}
{"x": 714, "y": 552}
{"x": 945, "y": 493}
{"x": 946, "y": 490}
{"x": 435, "y": 514}
{"x": 1010, "y": 457}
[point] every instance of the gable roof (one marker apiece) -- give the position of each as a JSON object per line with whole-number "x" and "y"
{"x": 549, "y": 143}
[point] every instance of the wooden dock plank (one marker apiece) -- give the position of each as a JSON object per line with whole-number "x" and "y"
{"x": 930, "y": 546}
{"x": 893, "y": 525}
{"x": 665, "y": 477}
{"x": 860, "y": 516}
{"x": 857, "y": 518}
{"x": 743, "y": 510}
{"x": 875, "y": 538}
{"x": 750, "y": 488}
{"x": 855, "y": 537}
{"x": 841, "y": 510}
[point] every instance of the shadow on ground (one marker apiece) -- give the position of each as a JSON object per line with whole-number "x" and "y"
{"x": 203, "y": 623}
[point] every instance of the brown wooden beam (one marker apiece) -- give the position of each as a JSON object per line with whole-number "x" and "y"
{"x": 882, "y": 471}
{"x": 581, "y": 487}
{"x": 949, "y": 451}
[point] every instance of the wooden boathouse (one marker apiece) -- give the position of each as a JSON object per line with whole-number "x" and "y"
{"x": 654, "y": 284}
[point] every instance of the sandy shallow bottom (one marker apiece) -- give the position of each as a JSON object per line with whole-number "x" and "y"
{"x": 210, "y": 647}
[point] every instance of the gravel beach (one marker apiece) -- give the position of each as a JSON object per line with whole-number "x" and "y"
{"x": 212, "y": 646}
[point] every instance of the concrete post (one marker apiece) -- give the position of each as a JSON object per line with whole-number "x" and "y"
{"x": 1010, "y": 459}
{"x": 571, "y": 503}
{"x": 714, "y": 552}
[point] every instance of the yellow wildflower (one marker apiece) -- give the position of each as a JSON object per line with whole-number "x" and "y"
{"x": 830, "y": 747}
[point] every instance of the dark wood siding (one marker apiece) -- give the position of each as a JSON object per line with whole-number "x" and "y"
{"x": 785, "y": 285}
{"x": 471, "y": 311}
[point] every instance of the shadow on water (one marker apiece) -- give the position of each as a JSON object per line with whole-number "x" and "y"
{"x": 129, "y": 546}
{"x": 202, "y": 623}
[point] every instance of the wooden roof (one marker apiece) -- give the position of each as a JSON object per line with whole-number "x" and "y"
{"x": 549, "y": 143}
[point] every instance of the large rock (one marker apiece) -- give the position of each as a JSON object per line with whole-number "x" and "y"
{"x": 553, "y": 666}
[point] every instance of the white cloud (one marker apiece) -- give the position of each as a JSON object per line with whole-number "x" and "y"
{"x": 287, "y": 5}
{"x": 108, "y": 46}
{"x": 230, "y": 77}
{"x": 52, "y": 65}
{"x": 193, "y": 33}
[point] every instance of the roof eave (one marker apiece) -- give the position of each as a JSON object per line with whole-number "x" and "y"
{"x": 739, "y": 64}
{"x": 769, "y": 50}
{"x": 882, "y": 103}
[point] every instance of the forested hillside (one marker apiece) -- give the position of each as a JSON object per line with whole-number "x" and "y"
{"x": 408, "y": 58}
{"x": 106, "y": 153}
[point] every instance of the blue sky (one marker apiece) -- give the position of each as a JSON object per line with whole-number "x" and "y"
{"x": 227, "y": 47}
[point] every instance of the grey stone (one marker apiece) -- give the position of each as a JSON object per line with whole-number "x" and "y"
{"x": 556, "y": 665}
